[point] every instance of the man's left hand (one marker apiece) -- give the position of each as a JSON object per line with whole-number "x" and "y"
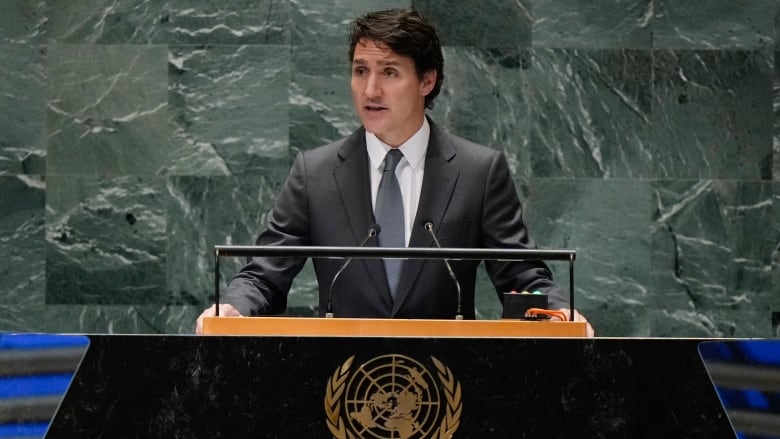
{"x": 579, "y": 318}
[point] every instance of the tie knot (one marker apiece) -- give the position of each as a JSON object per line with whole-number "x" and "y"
{"x": 392, "y": 158}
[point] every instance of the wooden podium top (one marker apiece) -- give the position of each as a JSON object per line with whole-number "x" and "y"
{"x": 341, "y": 327}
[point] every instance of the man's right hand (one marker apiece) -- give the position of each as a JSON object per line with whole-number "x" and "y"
{"x": 225, "y": 310}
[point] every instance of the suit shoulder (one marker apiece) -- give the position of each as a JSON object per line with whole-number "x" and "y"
{"x": 342, "y": 147}
{"x": 322, "y": 151}
{"x": 470, "y": 150}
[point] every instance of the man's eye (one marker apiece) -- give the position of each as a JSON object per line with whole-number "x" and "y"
{"x": 391, "y": 73}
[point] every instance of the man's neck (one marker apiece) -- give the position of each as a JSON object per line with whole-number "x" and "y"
{"x": 400, "y": 140}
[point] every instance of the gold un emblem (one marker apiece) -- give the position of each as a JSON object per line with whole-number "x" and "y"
{"x": 392, "y": 396}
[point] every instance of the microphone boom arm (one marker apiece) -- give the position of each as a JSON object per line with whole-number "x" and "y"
{"x": 372, "y": 232}
{"x": 458, "y": 312}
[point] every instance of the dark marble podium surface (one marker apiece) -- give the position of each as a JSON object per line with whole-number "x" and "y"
{"x": 274, "y": 387}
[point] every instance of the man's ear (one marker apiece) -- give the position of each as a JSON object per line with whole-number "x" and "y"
{"x": 428, "y": 82}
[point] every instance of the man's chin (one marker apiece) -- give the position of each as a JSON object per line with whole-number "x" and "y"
{"x": 372, "y": 125}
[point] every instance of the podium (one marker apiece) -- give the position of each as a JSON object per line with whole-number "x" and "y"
{"x": 239, "y": 386}
{"x": 341, "y": 327}
{"x": 285, "y": 377}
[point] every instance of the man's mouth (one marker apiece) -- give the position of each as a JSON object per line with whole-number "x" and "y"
{"x": 374, "y": 108}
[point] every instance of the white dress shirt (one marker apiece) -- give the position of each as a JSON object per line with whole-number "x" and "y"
{"x": 409, "y": 171}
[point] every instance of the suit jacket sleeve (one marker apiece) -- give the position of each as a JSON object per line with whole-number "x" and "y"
{"x": 262, "y": 285}
{"x": 503, "y": 227}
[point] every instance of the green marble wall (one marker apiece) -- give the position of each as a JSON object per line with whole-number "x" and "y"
{"x": 136, "y": 134}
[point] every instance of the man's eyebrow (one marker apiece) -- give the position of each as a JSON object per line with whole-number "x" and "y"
{"x": 388, "y": 62}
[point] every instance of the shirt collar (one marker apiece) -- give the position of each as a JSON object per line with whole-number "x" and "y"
{"x": 413, "y": 149}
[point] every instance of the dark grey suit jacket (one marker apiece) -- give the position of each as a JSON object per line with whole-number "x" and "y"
{"x": 467, "y": 193}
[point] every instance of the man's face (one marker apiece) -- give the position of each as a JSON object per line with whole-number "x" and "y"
{"x": 388, "y": 95}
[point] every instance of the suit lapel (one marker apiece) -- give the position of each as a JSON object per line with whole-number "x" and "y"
{"x": 352, "y": 180}
{"x": 435, "y": 195}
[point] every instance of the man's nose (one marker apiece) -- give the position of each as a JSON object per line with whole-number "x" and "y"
{"x": 373, "y": 88}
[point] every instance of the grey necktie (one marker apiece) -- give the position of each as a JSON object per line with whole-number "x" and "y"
{"x": 389, "y": 213}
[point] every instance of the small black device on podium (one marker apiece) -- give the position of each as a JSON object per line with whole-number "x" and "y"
{"x": 516, "y": 304}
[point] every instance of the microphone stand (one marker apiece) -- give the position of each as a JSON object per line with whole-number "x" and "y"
{"x": 458, "y": 311}
{"x": 372, "y": 232}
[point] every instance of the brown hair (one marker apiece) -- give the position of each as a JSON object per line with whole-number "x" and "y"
{"x": 408, "y": 34}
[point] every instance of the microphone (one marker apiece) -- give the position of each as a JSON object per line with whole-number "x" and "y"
{"x": 373, "y": 230}
{"x": 458, "y": 313}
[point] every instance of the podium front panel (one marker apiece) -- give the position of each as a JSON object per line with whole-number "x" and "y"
{"x": 322, "y": 387}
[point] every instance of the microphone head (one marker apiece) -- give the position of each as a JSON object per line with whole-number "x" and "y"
{"x": 427, "y": 225}
{"x": 374, "y": 230}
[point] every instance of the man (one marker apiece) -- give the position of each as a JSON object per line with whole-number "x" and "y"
{"x": 335, "y": 193}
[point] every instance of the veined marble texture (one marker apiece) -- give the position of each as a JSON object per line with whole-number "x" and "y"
{"x": 485, "y": 98}
{"x": 22, "y": 22}
{"x": 725, "y": 111}
{"x": 319, "y": 96}
{"x": 23, "y": 106}
{"x": 326, "y": 22}
{"x": 659, "y": 114}
{"x": 136, "y": 134}
{"x": 775, "y": 218}
{"x": 608, "y": 222}
{"x": 217, "y": 126}
{"x": 107, "y": 110}
{"x": 22, "y": 246}
{"x": 591, "y": 113}
{"x": 713, "y": 244}
{"x": 105, "y": 240}
{"x": 620, "y": 24}
{"x": 207, "y": 211}
{"x": 173, "y": 21}
{"x": 644, "y": 24}
{"x": 480, "y": 23}
{"x": 713, "y": 24}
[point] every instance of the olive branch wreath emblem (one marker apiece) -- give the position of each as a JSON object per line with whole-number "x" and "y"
{"x": 337, "y": 385}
